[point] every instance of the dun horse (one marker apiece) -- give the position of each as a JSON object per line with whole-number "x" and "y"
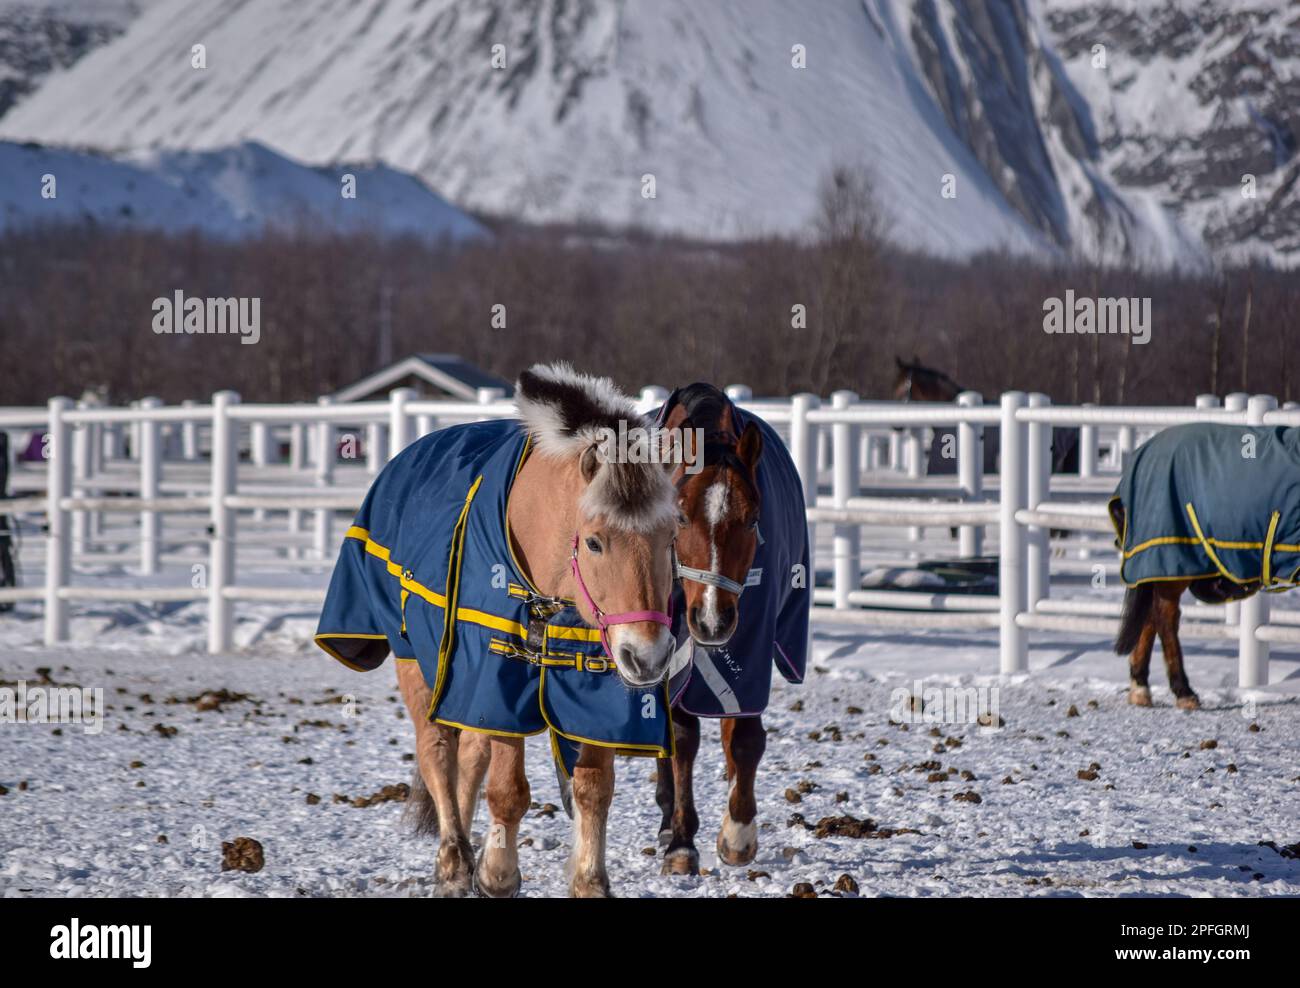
{"x": 742, "y": 558}
{"x": 503, "y": 561}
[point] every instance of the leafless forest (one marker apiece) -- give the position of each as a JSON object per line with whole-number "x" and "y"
{"x": 75, "y": 311}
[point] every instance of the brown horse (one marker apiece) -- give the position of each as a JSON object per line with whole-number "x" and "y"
{"x": 916, "y": 382}
{"x": 716, "y": 546}
{"x": 625, "y": 519}
{"x": 1153, "y": 610}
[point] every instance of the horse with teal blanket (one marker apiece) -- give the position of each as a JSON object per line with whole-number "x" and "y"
{"x": 1210, "y": 508}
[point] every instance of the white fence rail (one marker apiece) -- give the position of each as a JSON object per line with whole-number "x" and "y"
{"x": 862, "y": 464}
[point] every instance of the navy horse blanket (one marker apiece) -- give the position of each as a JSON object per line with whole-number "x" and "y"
{"x": 735, "y": 679}
{"x": 426, "y": 571}
{"x": 1210, "y": 500}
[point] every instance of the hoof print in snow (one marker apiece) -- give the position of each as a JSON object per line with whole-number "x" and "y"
{"x": 242, "y": 854}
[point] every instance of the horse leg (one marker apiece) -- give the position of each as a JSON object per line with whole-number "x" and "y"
{"x": 664, "y": 798}
{"x": 471, "y": 767}
{"x": 435, "y": 752}
{"x": 744, "y": 741}
{"x": 1167, "y": 614}
{"x": 1139, "y": 666}
{"x": 681, "y": 857}
{"x": 507, "y": 798}
{"x": 593, "y": 791}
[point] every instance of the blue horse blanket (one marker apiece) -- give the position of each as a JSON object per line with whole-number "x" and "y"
{"x": 427, "y": 571}
{"x": 735, "y": 679}
{"x": 1211, "y": 500}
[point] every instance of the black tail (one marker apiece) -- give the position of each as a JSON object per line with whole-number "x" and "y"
{"x": 421, "y": 813}
{"x": 1137, "y": 609}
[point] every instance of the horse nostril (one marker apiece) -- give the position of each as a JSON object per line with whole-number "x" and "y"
{"x": 727, "y": 617}
{"x": 627, "y": 656}
{"x": 694, "y": 616}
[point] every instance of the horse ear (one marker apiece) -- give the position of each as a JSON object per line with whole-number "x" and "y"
{"x": 750, "y": 447}
{"x": 589, "y": 462}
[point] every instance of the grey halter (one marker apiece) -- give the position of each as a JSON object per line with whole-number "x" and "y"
{"x": 711, "y": 579}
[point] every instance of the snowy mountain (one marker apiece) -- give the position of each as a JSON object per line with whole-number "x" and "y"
{"x": 738, "y": 108}
{"x": 39, "y": 36}
{"x": 228, "y": 193}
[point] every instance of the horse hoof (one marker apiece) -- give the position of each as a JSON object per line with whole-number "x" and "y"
{"x": 737, "y": 842}
{"x": 1189, "y": 702}
{"x": 596, "y": 887}
{"x": 454, "y": 888}
{"x": 496, "y": 888}
{"x": 681, "y": 861}
{"x": 455, "y": 870}
{"x": 1139, "y": 696}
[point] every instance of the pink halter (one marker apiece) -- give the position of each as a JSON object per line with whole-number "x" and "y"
{"x": 606, "y": 620}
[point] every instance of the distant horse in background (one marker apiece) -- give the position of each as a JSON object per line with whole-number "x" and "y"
{"x": 915, "y": 381}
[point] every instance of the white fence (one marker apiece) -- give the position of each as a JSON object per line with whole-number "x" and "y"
{"x": 862, "y": 465}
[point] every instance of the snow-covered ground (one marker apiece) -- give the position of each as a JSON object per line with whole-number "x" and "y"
{"x": 139, "y": 810}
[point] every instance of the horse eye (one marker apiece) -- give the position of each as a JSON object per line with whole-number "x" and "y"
{"x": 682, "y": 520}
{"x": 593, "y": 546}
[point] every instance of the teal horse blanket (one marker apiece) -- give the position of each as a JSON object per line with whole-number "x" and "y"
{"x": 426, "y": 571}
{"x": 1210, "y": 500}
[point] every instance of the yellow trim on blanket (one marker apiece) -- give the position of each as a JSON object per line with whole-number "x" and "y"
{"x": 657, "y": 750}
{"x": 1209, "y": 549}
{"x": 335, "y": 655}
{"x": 488, "y": 730}
{"x": 454, "y": 558}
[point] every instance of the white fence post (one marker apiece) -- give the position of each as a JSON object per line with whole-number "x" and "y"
{"x": 1252, "y": 669}
{"x": 400, "y": 434}
{"x": 844, "y": 485}
{"x": 189, "y": 434}
{"x": 486, "y": 396}
{"x": 1235, "y": 402}
{"x": 803, "y": 450}
{"x": 150, "y": 482}
{"x": 323, "y": 457}
{"x": 376, "y": 447}
{"x": 1013, "y": 483}
{"x": 58, "y": 547}
{"x": 1087, "y": 449}
{"x": 221, "y": 556}
{"x": 1039, "y": 477}
{"x": 653, "y": 394}
{"x": 970, "y": 470}
{"x": 82, "y": 438}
